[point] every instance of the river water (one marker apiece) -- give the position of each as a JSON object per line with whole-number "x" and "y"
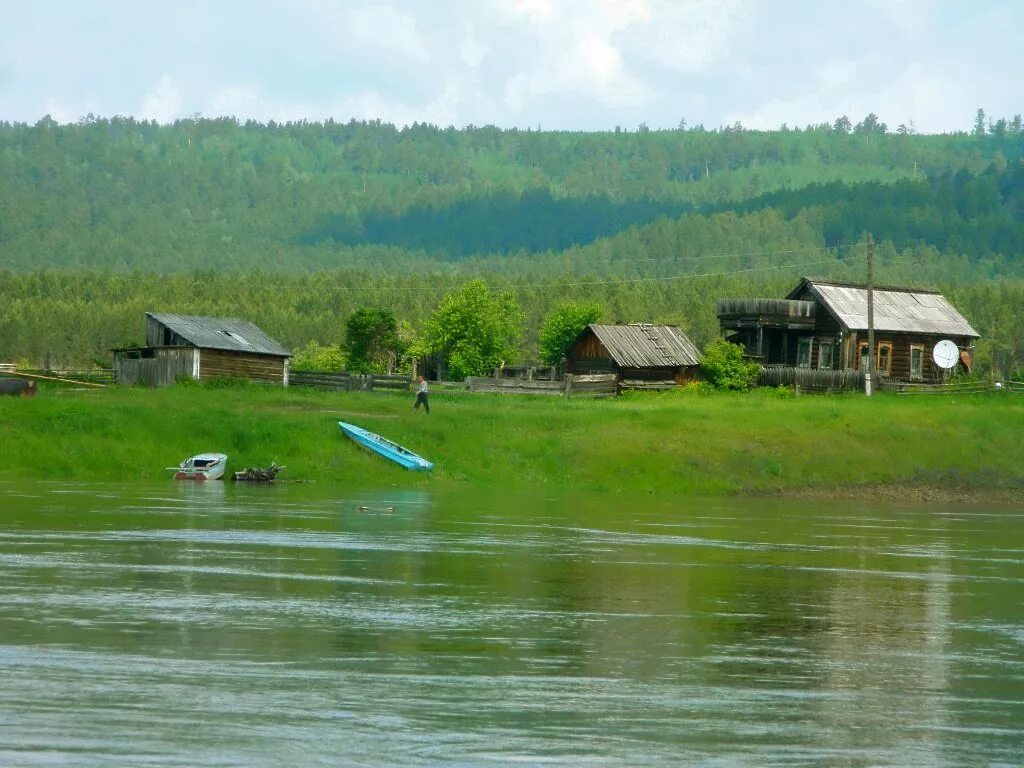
{"x": 226, "y": 625}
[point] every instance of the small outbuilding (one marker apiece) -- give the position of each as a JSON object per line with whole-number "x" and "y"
{"x": 823, "y": 324}
{"x": 638, "y": 352}
{"x": 201, "y": 348}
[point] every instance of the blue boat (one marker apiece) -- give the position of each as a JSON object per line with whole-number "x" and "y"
{"x": 386, "y": 448}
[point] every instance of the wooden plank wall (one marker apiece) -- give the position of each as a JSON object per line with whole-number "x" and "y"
{"x": 166, "y": 367}
{"x": 217, "y": 363}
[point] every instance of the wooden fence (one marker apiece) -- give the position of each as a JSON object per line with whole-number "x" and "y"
{"x": 350, "y": 382}
{"x": 99, "y": 377}
{"x": 594, "y": 385}
{"x": 810, "y": 379}
{"x": 529, "y": 372}
{"x": 957, "y": 388}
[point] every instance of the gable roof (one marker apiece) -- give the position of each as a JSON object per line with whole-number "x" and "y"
{"x": 902, "y": 310}
{"x": 641, "y": 345}
{"x": 227, "y": 333}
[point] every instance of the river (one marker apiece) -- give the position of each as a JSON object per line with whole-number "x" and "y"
{"x": 224, "y": 624}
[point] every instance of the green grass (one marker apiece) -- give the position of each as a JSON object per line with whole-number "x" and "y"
{"x": 673, "y": 443}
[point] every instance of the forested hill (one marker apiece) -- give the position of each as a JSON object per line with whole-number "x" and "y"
{"x": 122, "y": 195}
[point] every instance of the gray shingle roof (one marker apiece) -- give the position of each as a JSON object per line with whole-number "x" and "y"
{"x": 896, "y": 309}
{"x": 640, "y": 345}
{"x": 226, "y": 333}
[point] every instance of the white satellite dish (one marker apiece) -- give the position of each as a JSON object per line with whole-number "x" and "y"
{"x": 946, "y": 354}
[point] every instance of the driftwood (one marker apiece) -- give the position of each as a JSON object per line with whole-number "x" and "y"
{"x": 257, "y": 475}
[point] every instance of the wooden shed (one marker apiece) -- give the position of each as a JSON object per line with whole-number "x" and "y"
{"x": 201, "y": 348}
{"x": 823, "y": 324}
{"x": 638, "y": 351}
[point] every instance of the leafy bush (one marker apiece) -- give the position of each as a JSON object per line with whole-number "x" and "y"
{"x": 313, "y": 357}
{"x": 725, "y": 367}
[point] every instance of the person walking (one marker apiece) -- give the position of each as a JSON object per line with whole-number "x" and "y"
{"x": 421, "y": 396}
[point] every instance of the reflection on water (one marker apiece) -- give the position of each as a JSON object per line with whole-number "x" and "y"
{"x": 214, "y": 624}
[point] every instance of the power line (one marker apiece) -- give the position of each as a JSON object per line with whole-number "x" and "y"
{"x": 611, "y": 259}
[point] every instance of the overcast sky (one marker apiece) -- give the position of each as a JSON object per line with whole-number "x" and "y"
{"x": 556, "y": 64}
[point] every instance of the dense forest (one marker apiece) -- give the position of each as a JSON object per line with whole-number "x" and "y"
{"x": 297, "y": 226}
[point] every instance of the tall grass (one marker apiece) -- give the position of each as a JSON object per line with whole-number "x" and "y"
{"x": 672, "y": 443}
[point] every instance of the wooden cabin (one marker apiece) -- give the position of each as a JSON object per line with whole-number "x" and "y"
{"x": 201, "y": 348}
{"x": 823, "y": 325}
{"x": 635, "y": 352}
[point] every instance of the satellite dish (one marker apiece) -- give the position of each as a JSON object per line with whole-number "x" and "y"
{"x": 946, "y": 354}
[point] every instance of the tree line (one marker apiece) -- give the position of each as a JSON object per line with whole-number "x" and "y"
{"x": 303, "y": 226}
{"x": 74, "y": 320}
{"x": 123, "y": 195}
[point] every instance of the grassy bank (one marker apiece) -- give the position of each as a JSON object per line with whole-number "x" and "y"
{"x": 678, "y": 443}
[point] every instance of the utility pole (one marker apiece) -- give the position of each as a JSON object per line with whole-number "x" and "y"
{"x": 868, "y": 383}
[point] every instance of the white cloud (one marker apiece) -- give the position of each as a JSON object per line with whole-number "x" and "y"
{"x": 240, "y": 99}
{"x": 535, "y": 11}
{"x": 59, "y": 111}
{"x": 574, "y": 53}
{"x": 915, "y": 95}
{"x": 837, "y": 74}
{"x": 446, "y": 108}
{"x": 686, "y": 35}
{"x": 574, "y": 64}
{"x": 471, "y": 50}
{"x": 391, "y": 30}
{"x": 164, "y": 104}
{"x": 920, "y": 95}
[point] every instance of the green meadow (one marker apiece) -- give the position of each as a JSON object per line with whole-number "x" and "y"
{"x": 684, "y": 442}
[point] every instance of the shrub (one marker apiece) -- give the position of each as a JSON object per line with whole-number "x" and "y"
{"x": 313, "y": 357}
{"x": 725, "y": 367}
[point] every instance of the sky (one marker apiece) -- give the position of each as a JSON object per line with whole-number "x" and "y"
{"x": 590, "y": 65}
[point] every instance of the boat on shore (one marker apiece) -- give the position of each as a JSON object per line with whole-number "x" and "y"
{"x": 202, "y": 466}
{"x": 386, "y": 448}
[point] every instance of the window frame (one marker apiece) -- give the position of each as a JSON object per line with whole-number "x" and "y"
{"x": 917, "y": 375}
{"x": 801, "y": 343}
{"x": 887, "y": 346}
{"x": 822, "y": 347}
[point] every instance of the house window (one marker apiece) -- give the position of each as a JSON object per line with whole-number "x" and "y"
{"x": 803, "y": 352}
{"x": 883, "y": 361}
{"x": 863, "y": 357}
{"x": 916, "y": 363}
{"x": 825, "y": 352}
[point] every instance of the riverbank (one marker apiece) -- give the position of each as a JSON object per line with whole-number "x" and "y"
{"x": 756, "y": 443}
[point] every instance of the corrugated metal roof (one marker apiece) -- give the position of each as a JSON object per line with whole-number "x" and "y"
{"x": 640, "y": 345}
{"x": 901, "y": 310}
{"x": 228, "y": 333}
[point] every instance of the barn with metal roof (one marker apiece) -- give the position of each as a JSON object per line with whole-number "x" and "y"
{"x": 638, "y": 351}
{"x": 201, "y": 348}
